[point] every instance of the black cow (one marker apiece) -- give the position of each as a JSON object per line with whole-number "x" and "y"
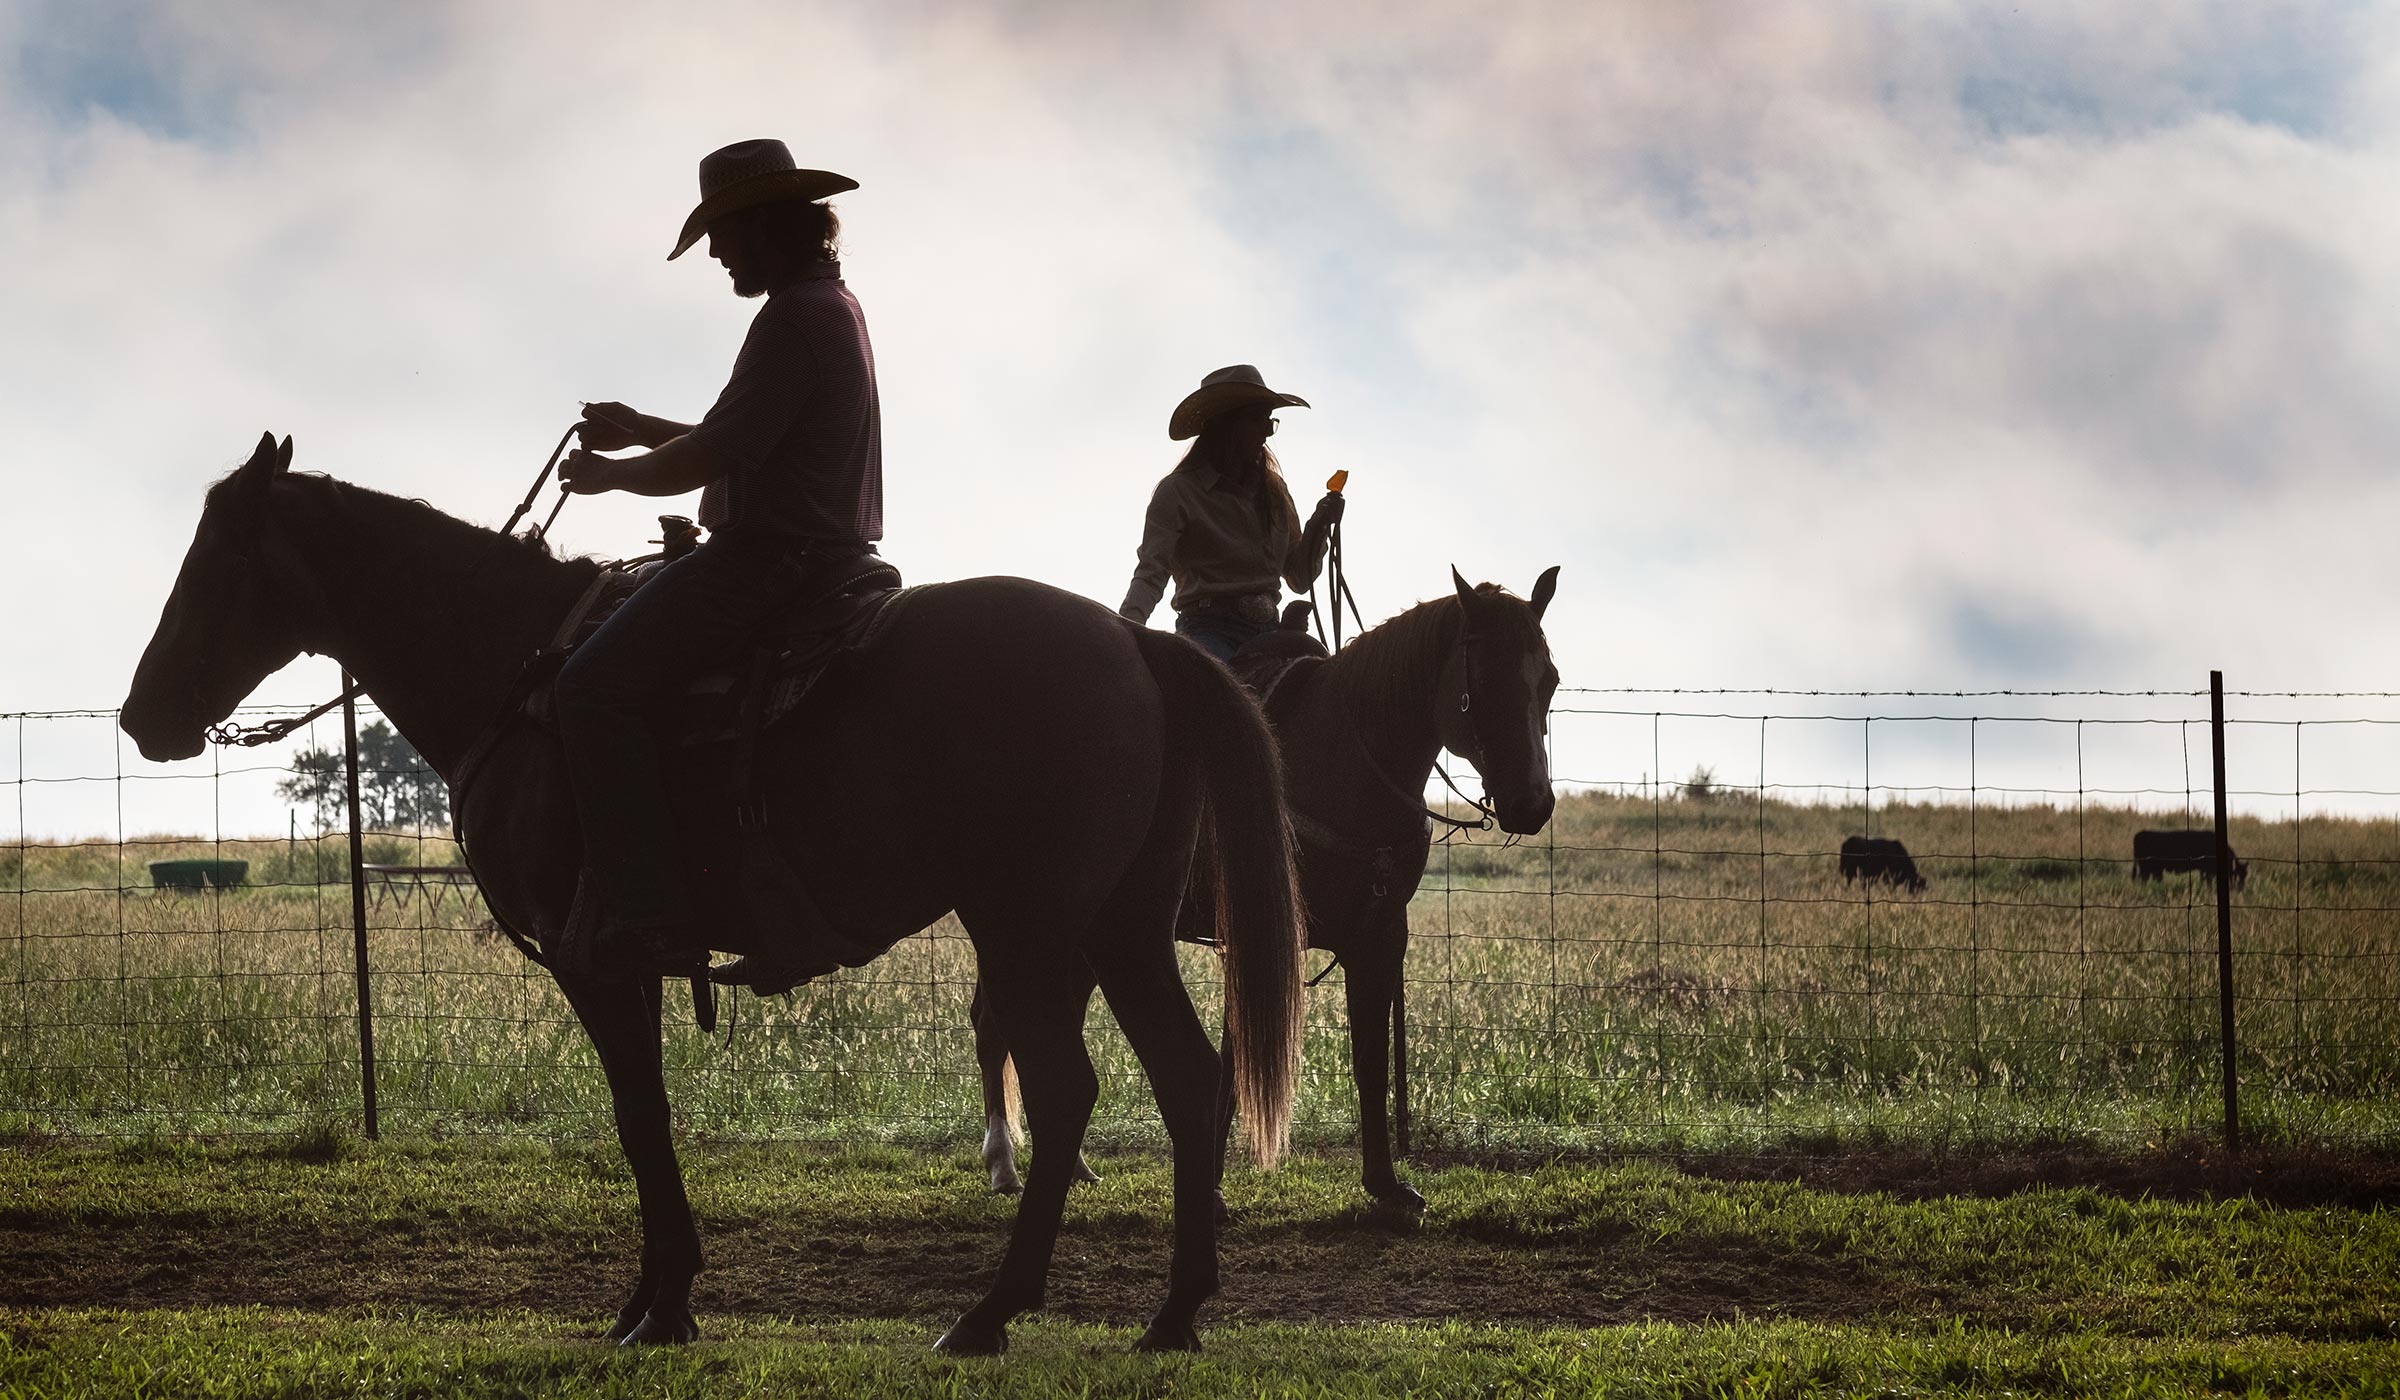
{"x": 2157, "y": 854}
{"x": 1872, "y": 858}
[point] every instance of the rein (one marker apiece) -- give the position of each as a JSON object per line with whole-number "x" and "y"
{"x": 226, "y": 732}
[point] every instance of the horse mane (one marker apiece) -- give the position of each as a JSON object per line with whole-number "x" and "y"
{"x": 1395, "y": 661}
{"x": 1390, "y": 663}
{"x": 448, "y": 544}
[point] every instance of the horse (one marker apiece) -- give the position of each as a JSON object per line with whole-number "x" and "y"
{"x": 980, "y": 698}
{"x": 1469, "y": 672}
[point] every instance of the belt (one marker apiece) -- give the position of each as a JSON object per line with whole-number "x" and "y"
{"x": 1249, "y": 607}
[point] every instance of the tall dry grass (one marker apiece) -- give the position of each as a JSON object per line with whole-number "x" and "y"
{"x": 1680, "y": 973}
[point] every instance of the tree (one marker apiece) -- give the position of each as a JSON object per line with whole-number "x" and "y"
{"x": 396, "y": 789}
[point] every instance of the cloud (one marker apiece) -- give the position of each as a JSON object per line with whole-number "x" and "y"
{"x": 2038, "y": 333}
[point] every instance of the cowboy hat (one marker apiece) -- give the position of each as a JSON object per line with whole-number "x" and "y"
{"x": 749, "y": 173}
{"x": 1235, "y": 386}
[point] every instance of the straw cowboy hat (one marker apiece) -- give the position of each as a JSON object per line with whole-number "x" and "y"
{"x": 748, "y": 173}
{"x": 1235, "y": 386}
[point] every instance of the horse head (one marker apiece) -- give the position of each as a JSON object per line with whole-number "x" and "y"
{"x": 228, "y": 624}
{"x": 1502, "y": 679}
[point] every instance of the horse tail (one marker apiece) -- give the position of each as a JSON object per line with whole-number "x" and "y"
{"x": 1243, "y": 875}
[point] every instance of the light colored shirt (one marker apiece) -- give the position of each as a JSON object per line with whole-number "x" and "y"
{"x": 1214, "y": 541}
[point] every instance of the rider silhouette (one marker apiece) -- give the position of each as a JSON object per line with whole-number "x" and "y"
{"x": 1222, "y": 524}
{"x": 791, "y": 459}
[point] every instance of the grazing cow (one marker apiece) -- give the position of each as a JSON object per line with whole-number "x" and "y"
{"x": 1872, "y": 858}
{"x": 2157, "y": 854}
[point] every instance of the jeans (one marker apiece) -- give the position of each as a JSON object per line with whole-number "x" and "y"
{"x": 702, "y": 611}
{"x": 1220, "y": 634}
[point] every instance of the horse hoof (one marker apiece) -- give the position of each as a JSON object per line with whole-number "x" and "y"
{"x": 964, "y": 1340}
{"x": 1008, "y": 1188}
{"x": 1163, "y": 1336}
{"x": 653, "y": 1330}
{"x": 1083, "y": 1169}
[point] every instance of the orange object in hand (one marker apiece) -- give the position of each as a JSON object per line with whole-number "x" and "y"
{"x": 1337, "y": 481}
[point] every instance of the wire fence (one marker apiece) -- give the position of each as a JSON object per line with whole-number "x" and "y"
{"x": 1685, "y": 960}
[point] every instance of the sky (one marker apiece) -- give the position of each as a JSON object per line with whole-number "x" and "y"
{"x": 1840, "y": 346}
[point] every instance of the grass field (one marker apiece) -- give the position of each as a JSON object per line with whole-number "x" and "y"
{"x": 489, "y": 1269}
{"x": 1679, "y": 975}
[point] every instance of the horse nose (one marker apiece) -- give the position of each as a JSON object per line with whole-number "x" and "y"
{"x": 159, "y": 739}
{"x": 1528, "y": 818}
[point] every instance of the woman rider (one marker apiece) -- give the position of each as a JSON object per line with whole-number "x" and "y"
{"x": 1222, "y": 524}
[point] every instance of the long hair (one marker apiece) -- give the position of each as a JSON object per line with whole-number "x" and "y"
{"x": 1274, "y": 497}
{"x": 806, "y": 232}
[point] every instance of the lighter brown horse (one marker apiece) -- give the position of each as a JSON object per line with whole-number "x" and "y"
{"x": 982, "y": 699}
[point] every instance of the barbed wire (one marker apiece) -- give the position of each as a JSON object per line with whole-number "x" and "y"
{"x": 2151, "y": 694}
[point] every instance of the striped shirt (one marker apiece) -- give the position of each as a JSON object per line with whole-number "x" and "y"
{"x": 798, "y": 424}
{"x": 1212, "y": 538}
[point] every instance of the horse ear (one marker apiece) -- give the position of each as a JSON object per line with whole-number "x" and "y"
{"x": 283, "y": 456}
{"x": 1465, "y": 594}
{"x": 253, "y": 474}
{"x": 1543, "y": 587}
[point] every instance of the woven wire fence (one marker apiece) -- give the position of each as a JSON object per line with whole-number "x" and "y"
{"x": 1678, "y": 962}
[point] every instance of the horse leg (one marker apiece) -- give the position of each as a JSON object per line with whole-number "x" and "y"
{"x": 1040, "y": 1011}
{"x": 999, "y": 1126}
{"x": 1372, "y": 979}
{"x": 991, "y": 1057}
{"x": 621, "y": 1015}
{"x": 1145, "y": 993}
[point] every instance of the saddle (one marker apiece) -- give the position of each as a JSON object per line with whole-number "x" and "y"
{"x": 754, "y": 900}
{"x": 848, "y": 615}
{"x": 1275, "y": 666}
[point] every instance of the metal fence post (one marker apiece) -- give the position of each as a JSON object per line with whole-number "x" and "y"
{"x": 2224, "y": 864}
{"x": 358, "y": 910}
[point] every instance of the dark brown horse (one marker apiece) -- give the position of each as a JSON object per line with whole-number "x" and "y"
{"x": 1359, "y": 735}
{"x": 982, "y": 699}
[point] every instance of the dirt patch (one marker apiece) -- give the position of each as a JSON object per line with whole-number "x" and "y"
{"x": 1335, "y": 1273}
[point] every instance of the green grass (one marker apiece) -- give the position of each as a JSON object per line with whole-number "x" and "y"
{"x": 1689, "y": 975}
{"x": 829, "y": 1275}
{"x": 261, "y": 1353}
